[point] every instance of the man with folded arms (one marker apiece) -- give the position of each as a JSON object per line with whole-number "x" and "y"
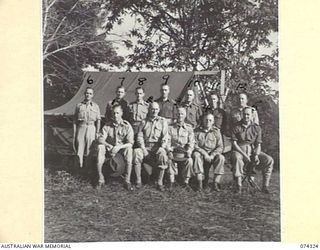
{"x": 116, "y": 141}
{"x": 208, "y": 153}
{"x": 180, "y": 147}
{"x": 246, "y": 142}
{"x": 152, "y": 142}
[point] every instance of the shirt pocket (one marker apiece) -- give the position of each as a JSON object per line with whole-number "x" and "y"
{"x": 157, "y": 130}
{"x": 183, "y": 137}
{"x": 81, "y": 113}
{"x": 211, "y": 141}
{"x": 93, "y": 114}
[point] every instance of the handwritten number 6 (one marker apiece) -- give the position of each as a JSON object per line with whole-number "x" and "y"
{"x": 89, "y": 80}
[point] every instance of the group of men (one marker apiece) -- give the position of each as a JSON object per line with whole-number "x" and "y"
{"x": 163, "y": 136}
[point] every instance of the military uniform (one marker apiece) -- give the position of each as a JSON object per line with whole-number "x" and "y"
{"x": 125, "y": 108}
{"x": 85, "y": 116}
{"x": 116, "y": 134}
{"x": 181, "y": 142}
{"x": 139, "y": 112}
{"x": 194, "y": 113}
{"x": 152, "y": 135}
{"x": 167, "y": 109}
{"x": 209, "y": 141}
{"x": 248, "y": 137}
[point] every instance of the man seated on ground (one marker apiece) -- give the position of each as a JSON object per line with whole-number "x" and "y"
{"x": 152, "y": 142}
{"x": 193, "y": 110}
{"x": 246, "y": 143}
{"x": 208, "y": 153}
{"x": 180, "y": 147}
{"x": 116, "y": 141}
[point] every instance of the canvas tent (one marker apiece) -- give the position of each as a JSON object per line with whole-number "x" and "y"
{"x": 58, "y": 128}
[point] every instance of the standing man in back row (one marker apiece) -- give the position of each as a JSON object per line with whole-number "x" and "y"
{"x": 86, "y": 125}
{"x": 167, "y": 105}
{"x": 119, "y": 100}
{"x": 139, "y": 109}
{"x": 193, "y": 110}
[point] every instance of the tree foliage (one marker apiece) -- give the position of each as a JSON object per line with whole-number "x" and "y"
{"x": 202, "y": 35}
{"x": 70, "y": 42}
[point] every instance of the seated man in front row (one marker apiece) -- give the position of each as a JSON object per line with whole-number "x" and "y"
{"x": 116, "y": 140}
{"x": 152, "y": 142}
{"x": 246, "y": 137}
{"x": 208, "y": 153}
{"x": 180, "y": 147}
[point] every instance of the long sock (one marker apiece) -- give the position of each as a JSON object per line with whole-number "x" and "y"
{"x": 160, "y": 179}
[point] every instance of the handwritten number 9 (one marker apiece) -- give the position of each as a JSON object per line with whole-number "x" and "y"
{"x": 166, "y": 78}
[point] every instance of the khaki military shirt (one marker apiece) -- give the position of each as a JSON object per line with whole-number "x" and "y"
{"x": 181, "y": 137}
{"x": 247, "y": 135}
{"x": 167, "y": 108}
{"x": 209, "y": 140}
{"x": 153, "y": 131}
{"x": 86, "y": 112}
{"x": 194, "y": 113}
{"x": 118, "y": 134}
{"x": 139, "y": 111}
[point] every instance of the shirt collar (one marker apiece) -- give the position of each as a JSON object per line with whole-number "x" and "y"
{"x": 87, "y": 102}
{"x": 141, "y": 102}
{"x": 153, "y": 119}
{"x": 246, "y": 126}
{"x": 117, "y": 124}
{"x": 183, "y": 125}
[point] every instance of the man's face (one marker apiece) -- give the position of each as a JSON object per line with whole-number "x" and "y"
{"x": 236, "y": 117}
{"x": 190, "y": 96}
{"x": 208, "y": 121}
{"x": 214, "y": 99}
{"x": 120, "y": 93}
{"x": 181, "y": 115}
{"x": 117, "y": 114}
{"x": 247, "y": 115}
{"x": 165, "y": 91}
{"x": 243, "y": 100}
{"x": 139, "y": 94}
{"x": 154, "y": 109}
{"x": 88, "y": 94}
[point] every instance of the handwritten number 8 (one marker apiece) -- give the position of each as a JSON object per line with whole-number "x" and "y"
{"x": 141, "y": 80}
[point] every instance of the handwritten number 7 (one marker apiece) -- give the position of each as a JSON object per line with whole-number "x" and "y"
{"x": 122, "y": 80}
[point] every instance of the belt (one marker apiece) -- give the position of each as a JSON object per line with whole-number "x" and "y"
{"x": 150, "y": 144}
{"x": 86, "y": 123}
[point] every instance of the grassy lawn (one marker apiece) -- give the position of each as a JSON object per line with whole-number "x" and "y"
{"x": 76, "y": 212}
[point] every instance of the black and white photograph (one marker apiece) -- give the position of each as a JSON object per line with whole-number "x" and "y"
{"x": 161, "y": 120}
